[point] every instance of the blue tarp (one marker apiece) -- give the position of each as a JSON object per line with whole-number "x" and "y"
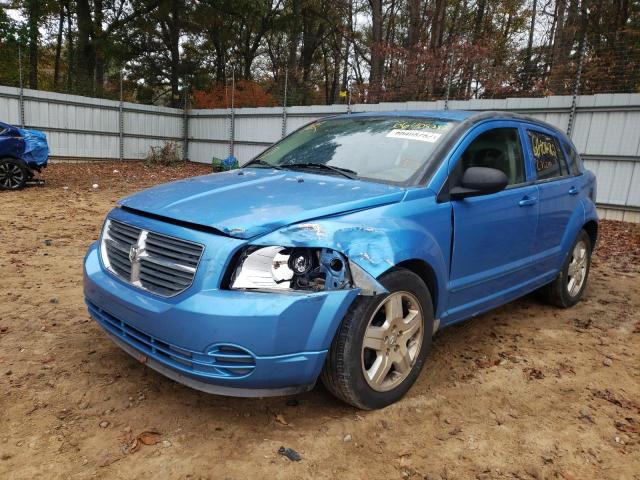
{"x": 36, "y": 149}
{"x": 28, "y": 145}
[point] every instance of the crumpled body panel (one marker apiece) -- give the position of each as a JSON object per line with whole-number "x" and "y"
{"x": 28, "y": 145}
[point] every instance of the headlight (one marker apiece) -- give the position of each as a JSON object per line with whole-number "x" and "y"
{"x": 283, "y": 268}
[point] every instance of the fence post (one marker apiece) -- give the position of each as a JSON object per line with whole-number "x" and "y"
{"x": 185, "y": 124}
{"x": 121, "y": 122}
{"x": 21, "y": 96}
{"x": 349, "y": 86}
{"x": 446, "y": 99}
{"x": 284, "y": 103}
{"x": 232, "y": 116}
{"x": 576, "y": 91}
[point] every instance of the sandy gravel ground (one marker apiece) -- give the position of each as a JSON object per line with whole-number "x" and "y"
{"x": 524, "y": 392}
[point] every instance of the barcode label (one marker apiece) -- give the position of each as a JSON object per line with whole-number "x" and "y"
{"x": 419, "y": 135}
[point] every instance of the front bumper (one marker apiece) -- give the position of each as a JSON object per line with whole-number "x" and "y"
{"x": 219, "y": 341}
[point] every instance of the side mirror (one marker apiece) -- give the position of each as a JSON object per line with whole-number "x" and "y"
{"x": 479, "y": 181}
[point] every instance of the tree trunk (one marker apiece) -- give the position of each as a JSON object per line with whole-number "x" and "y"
{"x": 70, "y": 50}
{"x": 292, "y": 57}
{"x": 86, "y": 54}
{"x": 563, "y": 42}
{"x": 174, "y": 34}
{"x": 98, "y": 42}
{"x": 311, "y": 35}
{"x": 221, "y": 76}
{"x": 377, "y": 55}
{"x": 56, "y": 67}
{"x": 345, "y": 71}
{"x": 437, "y": 25}
{"x": 413, "y": 39}
{"x": 33, "y": 21}
{"x": 477, "y": 33}
{"x": 527, "y": 74}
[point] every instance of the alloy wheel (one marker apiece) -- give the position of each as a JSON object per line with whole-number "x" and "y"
{"x": 577, "y": 271}
{"x": 11, "y": 176}
{"x": 392, "y": 341}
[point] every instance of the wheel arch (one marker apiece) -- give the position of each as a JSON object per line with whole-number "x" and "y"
{"x": 591, "y": 227}
{"x": 18, "y": 159}
{"x": 427, "y": 274}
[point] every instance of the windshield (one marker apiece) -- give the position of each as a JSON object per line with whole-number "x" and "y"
{"x": 390, "y": 149}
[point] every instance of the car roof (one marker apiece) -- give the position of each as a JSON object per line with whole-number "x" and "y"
{"x": 468, "y": 117}
{"x": 457, "y": 115}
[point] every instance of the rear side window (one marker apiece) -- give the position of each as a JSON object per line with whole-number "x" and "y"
{"x": 575, "y": 162}
{"x": 547, "y": 156}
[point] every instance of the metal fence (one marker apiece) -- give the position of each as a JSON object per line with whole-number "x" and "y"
{"x": 604, "y": 127}
{"x": 81, "y": 127}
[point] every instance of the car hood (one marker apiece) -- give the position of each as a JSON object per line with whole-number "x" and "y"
{"x": 254, "y": 201}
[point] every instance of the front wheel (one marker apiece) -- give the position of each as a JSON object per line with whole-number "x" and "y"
{"x": 569, "y": 286}
{"x": 382, "y": 343}
{"x": 13, "y": 174}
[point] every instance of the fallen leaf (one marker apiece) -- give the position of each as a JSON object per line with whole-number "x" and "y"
{"x": 134, "y": 446}
{"x": 280, "y": 419}
{"x": 149, "y": 438}
{"x": 612, "y": 398}
{"x": 623, "y": 427}
{"x": 534, "y": 373}
{"x": 485, "y": 363}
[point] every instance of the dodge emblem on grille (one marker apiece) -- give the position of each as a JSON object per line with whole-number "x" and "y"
{"x": 134, "y": 251}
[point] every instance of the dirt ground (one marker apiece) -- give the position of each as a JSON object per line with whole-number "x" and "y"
{"x": 525, "y": 391}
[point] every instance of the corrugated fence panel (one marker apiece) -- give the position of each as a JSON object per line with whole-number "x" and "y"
{"x": 606, "y": 130}
{"x": 9, "y": 105}
{"x": 89, "y": 127}
{"x": 633, "y": 197}
{"x": 209, "y": 133}
{"x": 167, "y": 125}
{"x": 64, "y": 144}
{"x": 204, "y": 152}
{"x": 257, "y": 127}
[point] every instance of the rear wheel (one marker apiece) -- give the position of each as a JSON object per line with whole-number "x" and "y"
{"x": 13, "y": 174}
{"x": 382, "y": 343}
{"x": 569, "y": 286}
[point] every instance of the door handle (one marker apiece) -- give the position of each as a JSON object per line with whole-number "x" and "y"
{"x": 573, "y": 191}
{"x": 527, "y": 201}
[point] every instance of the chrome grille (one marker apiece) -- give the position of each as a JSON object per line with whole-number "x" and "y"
{"x": 151, "y": 261}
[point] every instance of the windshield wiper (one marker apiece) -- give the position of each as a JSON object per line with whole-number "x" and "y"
{"x": 258, "y": 161}
{"x": 342, "y": 171}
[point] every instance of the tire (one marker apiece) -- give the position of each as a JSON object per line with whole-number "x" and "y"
{"x": 13, "y": 174}
{"x": 350, "y": 369}
{"x": 563, "y": 292}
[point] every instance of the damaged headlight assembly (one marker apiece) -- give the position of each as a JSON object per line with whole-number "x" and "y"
{"x": 281, "y": 269}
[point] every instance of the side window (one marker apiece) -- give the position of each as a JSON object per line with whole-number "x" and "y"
{"x": 499, "y": 148}
{"x": 575, "y": 162}
{"x": 547, "y": 156}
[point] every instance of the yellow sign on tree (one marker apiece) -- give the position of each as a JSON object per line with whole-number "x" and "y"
{"x": 343, "y": 94}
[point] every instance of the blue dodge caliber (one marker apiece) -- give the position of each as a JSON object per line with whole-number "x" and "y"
{"x": 339, "y": 252}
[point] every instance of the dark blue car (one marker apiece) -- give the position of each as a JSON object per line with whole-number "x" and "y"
{"x": 339, "y": 251}
{"x": 22, "y": 153}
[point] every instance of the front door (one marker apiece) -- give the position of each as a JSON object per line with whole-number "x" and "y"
{"x": 494, "y": 233}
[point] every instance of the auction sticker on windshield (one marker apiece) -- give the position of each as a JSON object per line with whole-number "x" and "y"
{"x": 420, "y": 135}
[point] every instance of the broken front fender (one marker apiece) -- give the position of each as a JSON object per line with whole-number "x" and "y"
{"x": 378, "y": 239}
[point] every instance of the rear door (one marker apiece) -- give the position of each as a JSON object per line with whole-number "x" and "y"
{"x": 493, "y": 234}
{"x": 559, "y": 194}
